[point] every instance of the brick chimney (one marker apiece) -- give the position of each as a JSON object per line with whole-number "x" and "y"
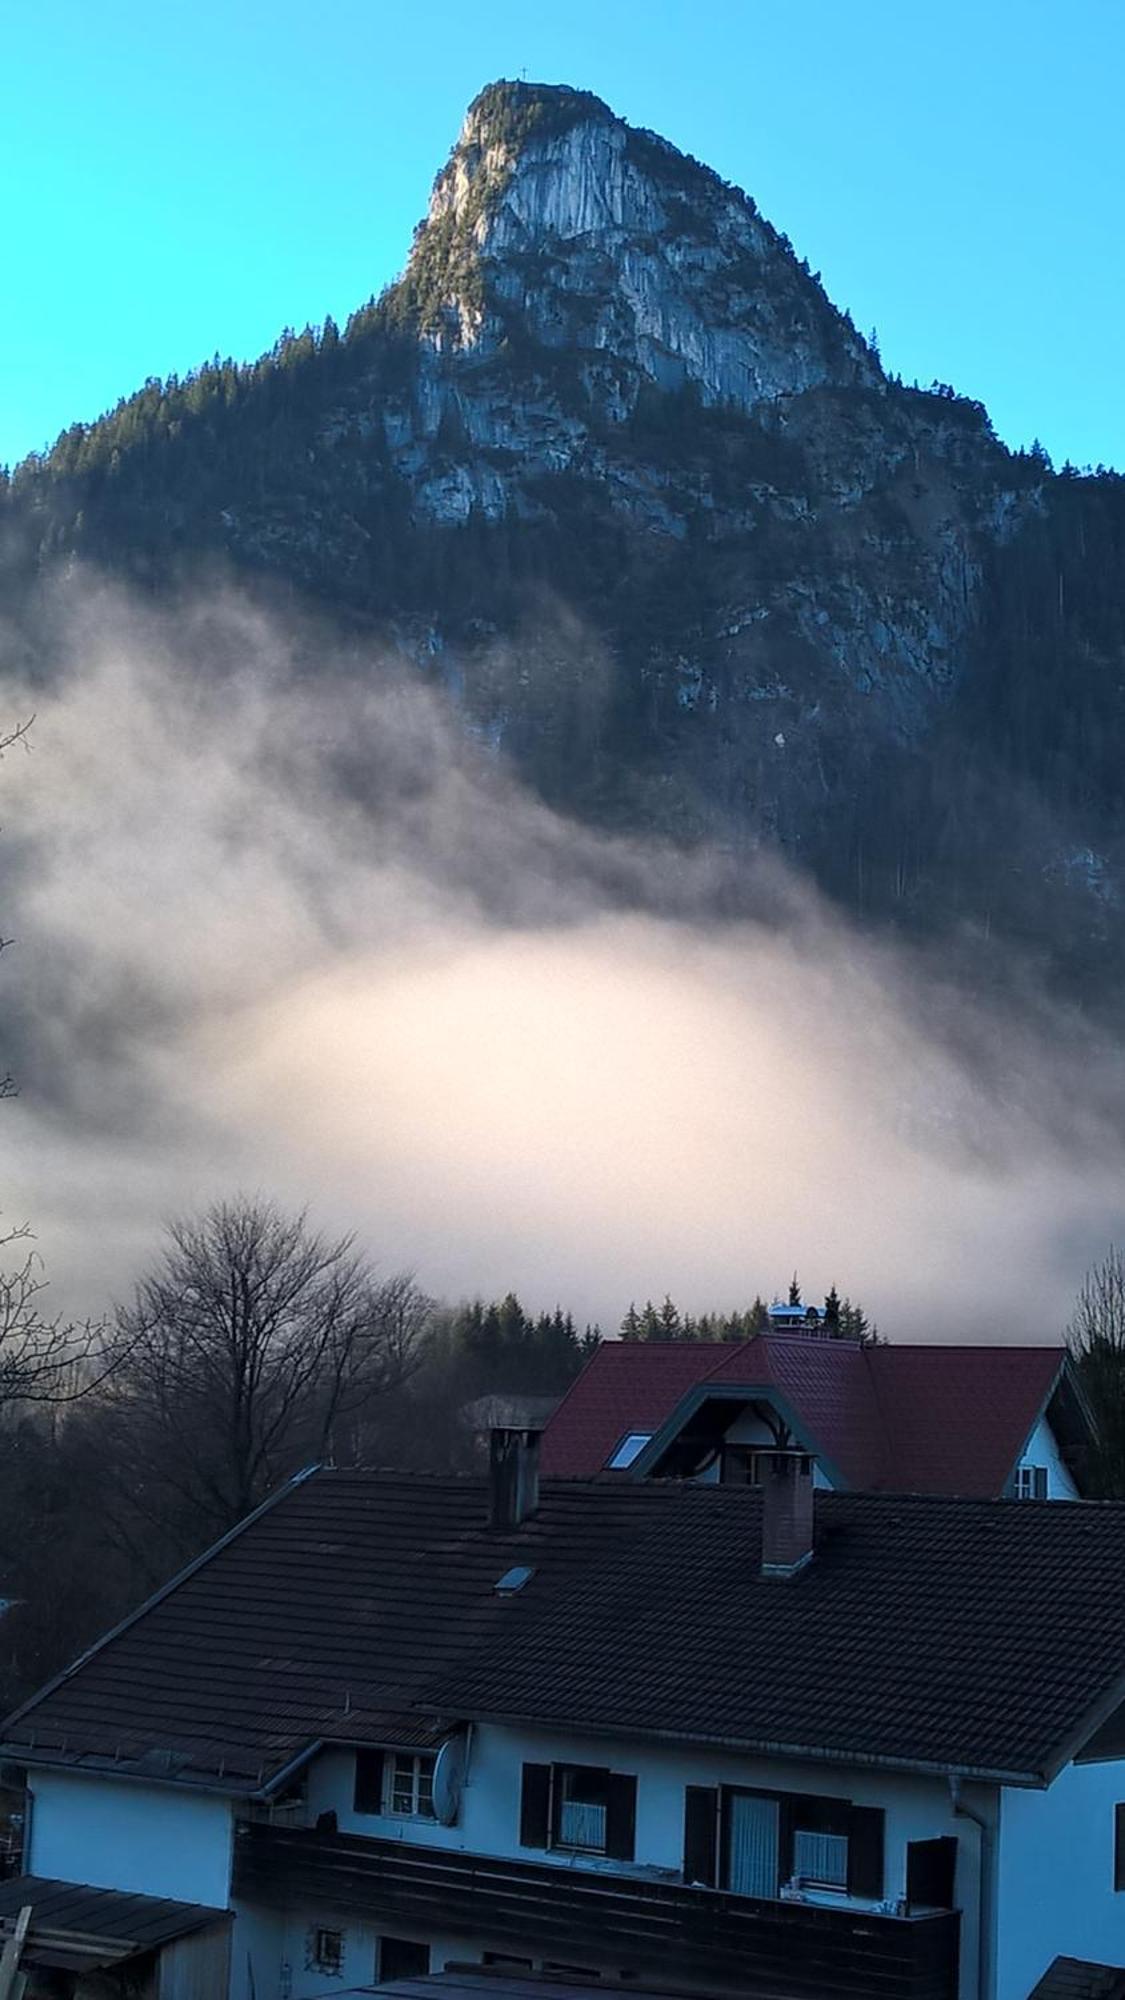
{"x": 787, "y": 1512}
{"x": 513, "y": 1476}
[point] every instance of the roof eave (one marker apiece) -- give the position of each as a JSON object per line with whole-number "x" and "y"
{"x": 1092, "y": 1719}
{"x": 214, "y": 1786}
{"x": 808, "y": 1753}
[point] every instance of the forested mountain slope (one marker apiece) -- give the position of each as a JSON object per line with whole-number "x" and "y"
{"x": 608, "y": 465}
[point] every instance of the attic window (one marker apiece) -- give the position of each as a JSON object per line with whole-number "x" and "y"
{"x": 514, "y": 1579}
{"x": 1031, "y": 1482}
{"x": 631, "y": 1447}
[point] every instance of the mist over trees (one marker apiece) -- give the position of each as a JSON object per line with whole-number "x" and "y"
{"x": 253, "y": 1344}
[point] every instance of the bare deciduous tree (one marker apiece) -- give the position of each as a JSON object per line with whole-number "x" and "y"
{"x": 1096, "y": 1338}
{"x": 41, "y": 1360}
{"x": 253, "y": 1347}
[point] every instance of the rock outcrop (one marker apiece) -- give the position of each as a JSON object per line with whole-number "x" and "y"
{"x": 608, "y": 463}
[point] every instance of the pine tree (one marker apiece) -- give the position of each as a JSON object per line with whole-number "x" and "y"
{"x": 794, "y": 1290}
{"x": 650, "y": 1322}
{"x": 631, "y": 1324}
{"x": 854, "y": 1324}
{"x": 832, "y": 1313}
{"x": 671, "y": 1327}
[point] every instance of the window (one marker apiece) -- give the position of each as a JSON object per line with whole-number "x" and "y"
{"x": 408, "y": 1786}
{"x": 581, "y": 1800}
{"x": 756, "y": 1843}
{"x": 1031, "y": 1482}
{"x": 631, "y": 1447}
{"x": 741, "y": 1464}
{"x": 402, "y": 1958}
{"x": 821, "y": 1859}
{"x": 324, "y": 1951}
{"x": 579, "y": 1808}
{"x": 1119, "y": 1847}
{"x": 394, "y": 1781}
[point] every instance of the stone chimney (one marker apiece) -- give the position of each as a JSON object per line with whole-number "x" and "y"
{"x": 513, "y": 1476}
{"x": 787, "y": 1512}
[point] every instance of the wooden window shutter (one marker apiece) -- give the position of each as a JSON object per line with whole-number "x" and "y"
{"x": 1040, "y": 1482}
{"x": 368, "y": 1796}
{"x": 1119, "y": 1847}
{"x": 621, "y": 1816}
{"x": 701, "y": 1819}
{"x": 865, "y": 1852}
{"x": 535, "y": 1806}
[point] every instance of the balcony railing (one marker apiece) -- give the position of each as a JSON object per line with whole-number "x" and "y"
{"x": 703, "y": 1938}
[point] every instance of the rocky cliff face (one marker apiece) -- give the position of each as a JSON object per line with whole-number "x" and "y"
{"x": 608, "y": 464}
{"x": 607, "y": 244}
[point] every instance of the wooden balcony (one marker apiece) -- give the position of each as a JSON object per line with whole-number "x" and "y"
{"x": 704, "y": 1939}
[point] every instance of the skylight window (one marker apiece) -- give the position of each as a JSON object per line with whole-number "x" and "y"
{"x": 514, "y": 1579}
{"x": 631, "y": 1447}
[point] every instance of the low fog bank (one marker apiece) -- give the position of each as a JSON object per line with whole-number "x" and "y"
{"x": 279, "y": 930}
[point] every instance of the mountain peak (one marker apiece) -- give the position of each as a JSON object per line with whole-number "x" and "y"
{"x": 556, "y": 223}
{"x": 507, "y": 113}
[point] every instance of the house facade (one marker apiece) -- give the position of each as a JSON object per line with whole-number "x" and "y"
{"x": 743, "y": 1742}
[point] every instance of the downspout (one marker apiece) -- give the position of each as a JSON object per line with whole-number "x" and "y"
{"x": 986, "y": 1848}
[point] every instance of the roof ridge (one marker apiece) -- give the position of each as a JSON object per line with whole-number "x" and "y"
{"x": 727, "y": 1350}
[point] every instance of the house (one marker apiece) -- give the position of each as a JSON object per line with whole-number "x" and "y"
{"x": 980, "y": 1422}
{"x": 730, "y": 1741}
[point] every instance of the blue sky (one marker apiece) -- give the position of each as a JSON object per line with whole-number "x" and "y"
{"x": 185, "y": 180}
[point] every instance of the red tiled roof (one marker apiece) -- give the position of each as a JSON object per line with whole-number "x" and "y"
{"x": 614, "y": 1395}
{"x": 957, "y": 1418}
{"x": 939, "y": 1419}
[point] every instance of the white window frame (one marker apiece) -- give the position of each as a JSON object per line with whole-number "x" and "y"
{"x": 1027, "y": 1477}
{"x": 627, "y": 1450}
{"x": 569, "y": 1839}
{"x": 408, "y": 1775}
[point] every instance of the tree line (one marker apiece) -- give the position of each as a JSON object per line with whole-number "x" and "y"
{"x": 838, "y": 1319}
{"x": 253, "y": 1345}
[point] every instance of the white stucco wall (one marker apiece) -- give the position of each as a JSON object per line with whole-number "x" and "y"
{"x": 916, "y": 1808}
{"x": 115, "y": 1834}
{"x": 1042, "y": 1449}
{"x": 1055, "y": 1889}
{"x": 268, "y": 1961}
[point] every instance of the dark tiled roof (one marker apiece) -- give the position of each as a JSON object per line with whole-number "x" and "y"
{"x": 113, "y": 1923}
{"x": 359, "y": 1600}
{"x": 890, "y": 1419}
{"x": 316, "y": 1621}
{"x": 1079, "y": 1979}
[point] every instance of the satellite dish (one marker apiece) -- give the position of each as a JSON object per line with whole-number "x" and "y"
{"x": 449, "y": 1779}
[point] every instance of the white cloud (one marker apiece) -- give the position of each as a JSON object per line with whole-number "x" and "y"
{"x": 507, "y": 1052}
